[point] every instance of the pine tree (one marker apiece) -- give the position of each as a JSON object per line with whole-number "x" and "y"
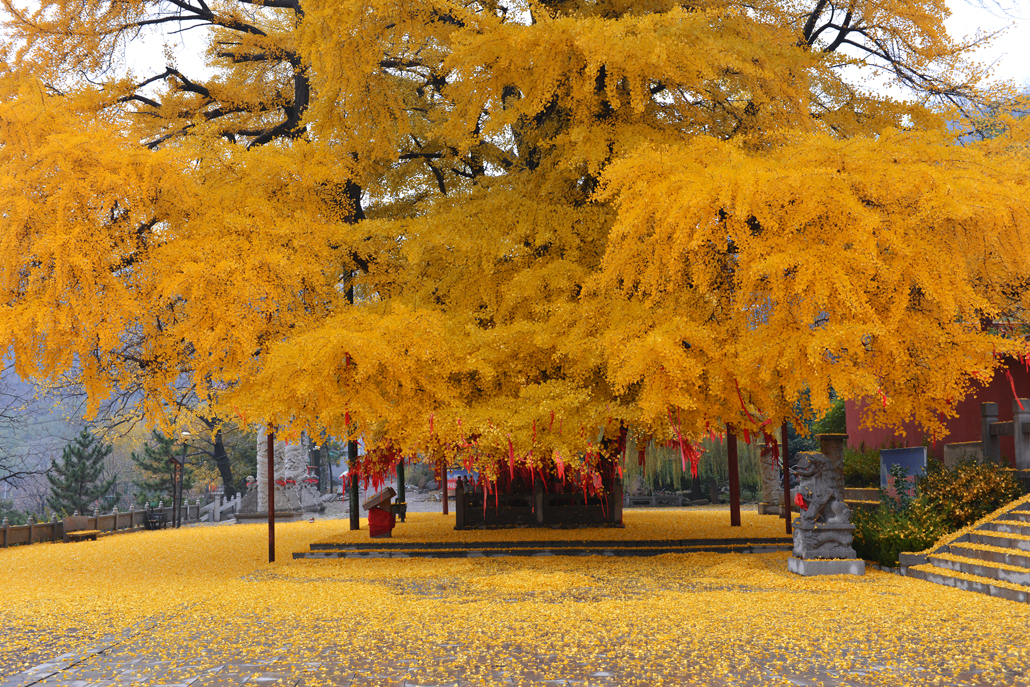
{"x": 157, "y": 470}
{"x": 77, "y": 482}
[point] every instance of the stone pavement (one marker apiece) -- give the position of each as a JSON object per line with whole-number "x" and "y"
{"x": 116, "y": 661}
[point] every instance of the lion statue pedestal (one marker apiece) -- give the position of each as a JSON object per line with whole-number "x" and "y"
{"x": 823, "y": 531}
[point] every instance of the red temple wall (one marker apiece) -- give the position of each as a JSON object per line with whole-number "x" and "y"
{"x": 965, "y": 426}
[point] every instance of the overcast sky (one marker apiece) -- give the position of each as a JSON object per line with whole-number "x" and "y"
{"x": 1011, "y": 52}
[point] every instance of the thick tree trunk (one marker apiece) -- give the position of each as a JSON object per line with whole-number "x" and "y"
{"x": 224, "y": 466}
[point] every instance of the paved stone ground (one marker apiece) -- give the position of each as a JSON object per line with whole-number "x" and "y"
{"x": 142, "y": 656}
{"x": 134, "y": 658}
{"x": 115, "y": 662}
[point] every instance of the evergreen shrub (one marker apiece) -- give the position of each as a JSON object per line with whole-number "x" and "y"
{"x": 861, "y": 468}
{"x": 912, "y": 515}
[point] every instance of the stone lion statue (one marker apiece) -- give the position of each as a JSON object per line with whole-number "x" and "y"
{"x": 824, "y": 502}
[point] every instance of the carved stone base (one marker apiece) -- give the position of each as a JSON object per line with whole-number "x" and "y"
{"x": 822, "y": 540}
{"x": 824, "y": 567}
{"x": 768, "y": 509}
{"x": 280, "y": 516}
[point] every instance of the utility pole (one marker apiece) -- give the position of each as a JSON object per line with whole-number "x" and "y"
{"x": 271, "y": 496}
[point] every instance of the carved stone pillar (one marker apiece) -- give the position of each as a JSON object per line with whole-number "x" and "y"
{"x": 770, "y": 479}
{"x": 832, "y": 446}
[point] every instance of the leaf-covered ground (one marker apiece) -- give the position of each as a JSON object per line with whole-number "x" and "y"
{"x": 202, "y": 606}
{"x": 661, "y": 524}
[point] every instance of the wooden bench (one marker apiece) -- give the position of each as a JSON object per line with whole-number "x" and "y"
{"x": 82, "y": 535}
{"x": 76, "y": 528}
{"x": 154, "y": 520}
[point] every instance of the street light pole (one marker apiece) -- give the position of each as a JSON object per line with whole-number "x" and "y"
{"x": 177, "y": 489}
{"x": 271, "y": 495}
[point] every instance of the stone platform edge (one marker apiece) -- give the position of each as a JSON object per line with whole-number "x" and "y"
{"x": 829, "y": 566}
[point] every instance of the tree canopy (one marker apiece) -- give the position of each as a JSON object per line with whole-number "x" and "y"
{"x": 511, "y": 228}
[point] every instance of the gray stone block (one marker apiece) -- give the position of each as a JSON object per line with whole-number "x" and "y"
{"x": 911, "y": 558}
{"x": 985, "y": 570}
{"x": 840, "y": 566}
{"x": 997, "y": 539}
{"x": 963, "y": 451}
{"x": 1010, "y": 528}
{"x": 822, "y": 540}
{"x": 1015, "y": 558}
{"x": 971, "y": 585}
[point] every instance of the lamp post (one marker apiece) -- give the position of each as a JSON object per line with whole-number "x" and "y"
{"x": 177, "y": 487}
{"x": 271, "y": 495}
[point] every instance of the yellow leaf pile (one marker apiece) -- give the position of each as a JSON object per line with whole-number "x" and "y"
{"x": 206, "y": 599}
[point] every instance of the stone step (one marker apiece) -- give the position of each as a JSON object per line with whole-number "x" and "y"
{"x": 600, "y": 550}
{"x": 969, "y": 583}
{"x": 980, "y": 568}
{"x": 1010, "y": 527}
{"x": 991, "y": 538}
{"x": 991, "y": 554}
{"x": 394, "y": 545}
{"x": 1018, "y": 515}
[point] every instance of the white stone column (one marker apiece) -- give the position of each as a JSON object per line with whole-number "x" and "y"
{"x": 262, "y": 471}
{"x": 772, "y": 487}
{"x": 295, "y": 469}
{"x": 278, "y": 472}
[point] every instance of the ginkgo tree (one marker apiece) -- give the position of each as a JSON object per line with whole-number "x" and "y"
{"x": 511, "y": 229}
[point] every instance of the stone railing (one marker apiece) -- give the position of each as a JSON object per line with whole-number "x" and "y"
{"x": 55, "y": 530}
{"x": 217, "y": 510}
{"x": 1018, "y": 428}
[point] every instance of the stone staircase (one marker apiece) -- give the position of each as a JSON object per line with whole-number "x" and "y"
{"x": 991, "y": 557}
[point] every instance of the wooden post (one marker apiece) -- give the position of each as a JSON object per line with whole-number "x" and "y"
{"x": 443, "y": 486}
{"x": 989, "y": 444}
{"x": 352, "y": 461}
{"x": 731, "y": 453}
{"x": 459, "y": 505}
{"x": 785, "y": 463}
{"x": 401, "y": 498}
{"x": 271, "y": 497}
{"x": 1021, "y": 424}
{"x": 538, "y": 499}
{"x": 615, "y": 509}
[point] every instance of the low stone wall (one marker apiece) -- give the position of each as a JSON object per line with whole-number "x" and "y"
{"x": 965, "y": 450}
{"x": 53, "y": 531}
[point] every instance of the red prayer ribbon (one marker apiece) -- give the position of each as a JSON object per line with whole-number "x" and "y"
{"x": 1012, "y": 383}
{"x": 511, "y": 459}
